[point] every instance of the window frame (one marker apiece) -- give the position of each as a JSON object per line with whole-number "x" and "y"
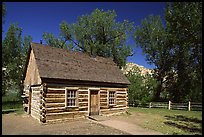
{"x": 67, "y": 98}
{"x": 114, "y": 102}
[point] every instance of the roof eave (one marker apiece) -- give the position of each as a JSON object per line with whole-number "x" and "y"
{"x": 82, "y": 82}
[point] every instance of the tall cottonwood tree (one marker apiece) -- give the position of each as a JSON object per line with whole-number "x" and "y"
{"x": 97, "y": 34}
{"x": 175, "y": 48}
{"x": 152, "y": 38}
{"x": 184, "y": 25}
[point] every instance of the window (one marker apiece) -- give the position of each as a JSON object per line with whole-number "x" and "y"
{"x": 71, "y": 98}
{"x": 111, "y": 97}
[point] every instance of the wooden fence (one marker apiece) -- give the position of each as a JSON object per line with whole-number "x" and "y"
{"x": 190, "y": 106}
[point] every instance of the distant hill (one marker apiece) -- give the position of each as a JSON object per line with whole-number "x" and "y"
{"x": 130, "y": 66}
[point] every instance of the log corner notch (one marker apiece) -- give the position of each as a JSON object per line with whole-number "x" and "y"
{"x": 42, "y": 103}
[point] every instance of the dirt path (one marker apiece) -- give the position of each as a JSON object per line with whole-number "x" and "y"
{"x": 124, "y": 123}
{"x": 24, "y": 124}
{"x": 13, "y": 124}
{"x": 128, "y": 127}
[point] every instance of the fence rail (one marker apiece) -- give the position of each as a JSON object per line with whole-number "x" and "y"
{"x": 158, "y": 105}
{"x": 190, "y": 106}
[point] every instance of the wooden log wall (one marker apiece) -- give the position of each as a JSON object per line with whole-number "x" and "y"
{"x": 25, "y": 97}
{"x": 35, "y": 102}
{"x": 120, "y": 102}
{"x": 83, "y": 99}
{"x": 52, "y": 106}
{"x": 56, "y": 109}
{"x": 103, "y": 99}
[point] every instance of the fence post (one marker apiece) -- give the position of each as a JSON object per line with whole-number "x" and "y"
{"x": 150, "y": 104}
{"x": 189, "y": 106}
{"x": 169, "y": 104}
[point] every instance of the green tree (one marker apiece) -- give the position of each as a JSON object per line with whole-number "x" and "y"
{"x": 142, "y": 87}
{"x": 14, "y": 52}
{"x": 175, "y": 48}
{"x": 11, "y": 58}
{"x": 135, "y": 88}
{"x": 96, "y": 34}
{"x": 152, "y": 38}
{"x": 51, "y": 40}
{"x": 184, "y": 26}
{"x": 150, "y": 87}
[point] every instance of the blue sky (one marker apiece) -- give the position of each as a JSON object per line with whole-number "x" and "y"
{"x": 35, "y": 18}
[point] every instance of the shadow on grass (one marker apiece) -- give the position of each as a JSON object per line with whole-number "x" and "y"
{"x": 184, "y": 118}
{"x": 185, "y": 123}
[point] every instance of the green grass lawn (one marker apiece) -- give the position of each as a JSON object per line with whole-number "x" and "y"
{"x": 12, "y": 104}
{"x": 170, "y": 122}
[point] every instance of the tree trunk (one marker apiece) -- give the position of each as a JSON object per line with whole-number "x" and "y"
{"x": 158, "y": 91}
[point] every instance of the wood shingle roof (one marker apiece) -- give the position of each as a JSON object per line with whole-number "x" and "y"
{"x": 59, "y": 63}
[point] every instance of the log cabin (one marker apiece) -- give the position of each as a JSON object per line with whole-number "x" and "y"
{"x": 62, "y": 85}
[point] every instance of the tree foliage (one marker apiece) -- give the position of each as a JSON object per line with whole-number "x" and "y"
{"x": 142, "y": 87}
{"x": 152, "y": 38}
{"x": 14, "y": 51}
{"x": 175, "y": 48}
{"x": 97, "y": 34}
{"x": 184, "y": 25}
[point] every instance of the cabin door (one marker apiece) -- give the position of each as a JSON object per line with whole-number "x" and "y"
{"x": 94, "y": 102}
